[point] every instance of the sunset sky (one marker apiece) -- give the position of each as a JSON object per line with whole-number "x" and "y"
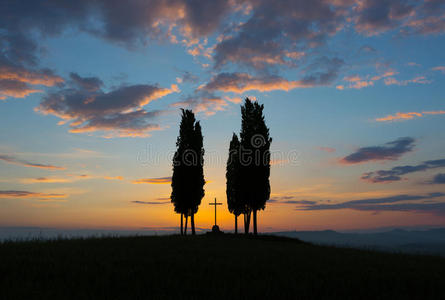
{"x": 354, "y": 95}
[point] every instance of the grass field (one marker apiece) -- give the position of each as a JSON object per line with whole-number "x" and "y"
{"x": 211, "y": 267}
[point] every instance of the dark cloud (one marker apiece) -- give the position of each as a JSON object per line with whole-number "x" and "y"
{"x": 392, "y": 203}
{"x": 409, "y": 17}
{"x": 428, "y": 19}
{"x": 302, "y": 202}
{"x": 438, "y": 179}
{"x": 119, "y": 112}
{"x": 378, "y": 16}
{"x": 13, "y": 160}
{"x": 127, "y": 23}
{"x": 278, "y": 33}
{"x": 90, "y": 84}
{"x": 291, "y": 200}
{"x": 390, "y": 151}
{"x": 396, "y": 173}
{"x": 151, "y": 202}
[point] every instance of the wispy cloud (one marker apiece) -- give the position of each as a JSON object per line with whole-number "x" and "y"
{"x": 418, "y": 80}
{"x": 403, "y": 202}
{"x": 151, "y": 202}
{"x": 68, "y": 178}
{"x": 401, "y": 116}
{"x": 159, "y": 180}
{"x": 396, "y": 173}
{"x": 12, "y": 194}
{"x": 439, "y": 68}
{"x": 389, "y": 151}
{"x": 13, "y": 160}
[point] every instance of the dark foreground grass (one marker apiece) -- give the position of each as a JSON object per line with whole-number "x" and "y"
{"x": 211, "y": 267}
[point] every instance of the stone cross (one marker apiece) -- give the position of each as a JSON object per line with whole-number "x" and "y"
{"x": 215, "y": 203}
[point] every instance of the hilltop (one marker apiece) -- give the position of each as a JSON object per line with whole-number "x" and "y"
{"x": 209, "y": 267}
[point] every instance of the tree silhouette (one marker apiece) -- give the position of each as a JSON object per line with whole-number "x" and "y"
{"x": 234, "y": 201}
{"x": 254, "y": 161}
{"x": 188, "y": 175}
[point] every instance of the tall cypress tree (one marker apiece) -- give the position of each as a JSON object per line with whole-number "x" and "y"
{"x": 234, "y": 199}
{"x": 255, "y": 160}
{"x": 188, "y": 175}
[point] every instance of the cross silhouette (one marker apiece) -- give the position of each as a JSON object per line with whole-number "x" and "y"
{"x": 215, "y": 203}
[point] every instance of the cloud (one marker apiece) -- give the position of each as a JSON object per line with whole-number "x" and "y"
{"x": 118, "y": 112}
{"x": 90, "y": 84}
{"x": 374, "y": 17}
{"x": 113, "y": 177}
{"x": 242, "y": 82}
{"x": 13, "y": 160}
{"x": 46, "y": 180}
{"x": 160, "y": 180}
{"x": 408, "y": 115}
{"x": 151, "y": 202}
{"x": 394, "y": 174}
{"x": 302, "y": 202}
{"x": 390, "y": 151}
{"x": 33, "y": 195}
{"x": 68, "y": 178}
{"x": 391, "y": 203}
{"x": 438, "y": 179}
{"x": 439, "y": 68}
{"x": 23, "y": 25}
{"x": 418, "y": 80}
{"x": 416, "y": 17}
{"x": 273, "y": 32}
{"x": 290, "y": 200}
{"x": 18, "y": 82}
{"x": 129, "y": 23}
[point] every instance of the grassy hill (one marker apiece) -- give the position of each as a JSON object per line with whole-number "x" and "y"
{"x": 210, "y": 267}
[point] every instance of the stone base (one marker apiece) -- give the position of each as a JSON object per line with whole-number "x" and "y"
{"x": 215, "y": 230}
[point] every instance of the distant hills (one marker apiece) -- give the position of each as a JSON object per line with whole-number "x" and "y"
{"x": 431, "y": 241}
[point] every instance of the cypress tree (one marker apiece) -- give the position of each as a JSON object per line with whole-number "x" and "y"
{"x": 255, "y": 161}
{"x": 188, "y": 175}
{"x": 234, "y": 200}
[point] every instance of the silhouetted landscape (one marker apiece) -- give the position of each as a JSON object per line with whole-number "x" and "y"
{"x": 223, "y": 267}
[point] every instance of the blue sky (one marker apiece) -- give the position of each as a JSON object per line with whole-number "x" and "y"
{"x": 336, "y": 78}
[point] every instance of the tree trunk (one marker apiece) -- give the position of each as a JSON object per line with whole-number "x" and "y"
{"x": 185, "y": 227}
{"x": 182, "y": 224}
{"x": 247, "y": 222}
{"x": 236, "y": 224}
{"x": 192, "y": 222}
{"x": 255, "y": 231}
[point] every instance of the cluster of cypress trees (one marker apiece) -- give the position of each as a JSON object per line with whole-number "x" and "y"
{"x": 247, "y": 174}
{"x": 248, "y": 166}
